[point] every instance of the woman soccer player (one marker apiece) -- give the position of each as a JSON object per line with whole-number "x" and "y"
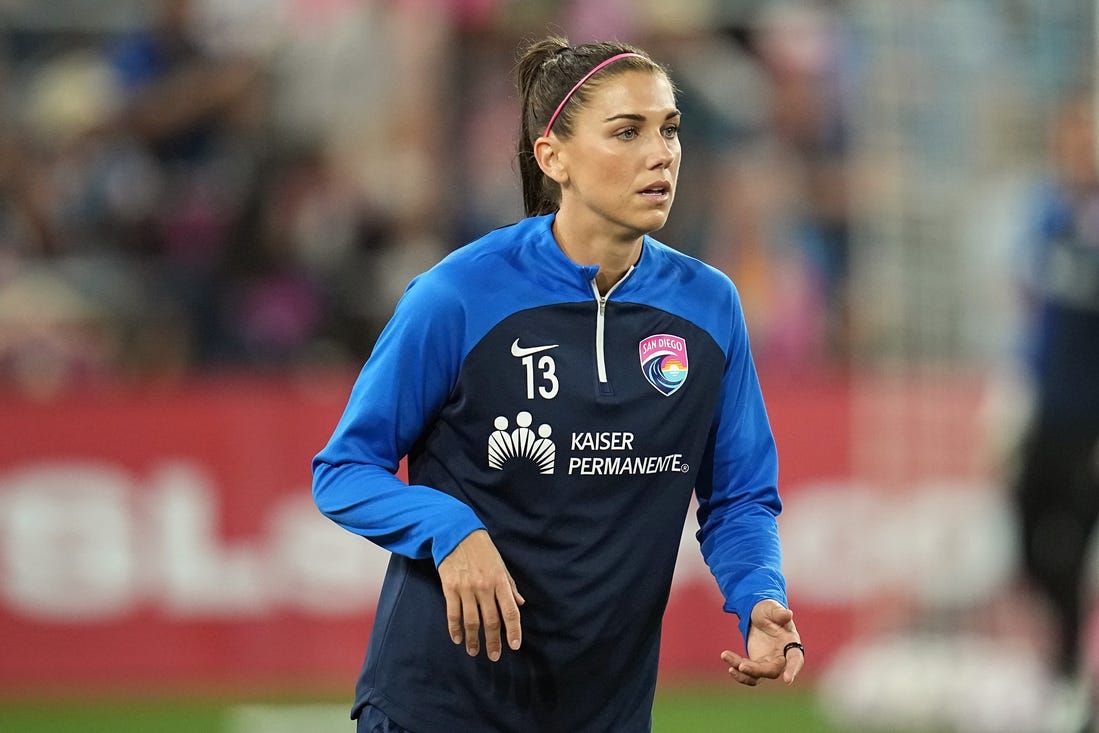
{"x": 560, "y": 386}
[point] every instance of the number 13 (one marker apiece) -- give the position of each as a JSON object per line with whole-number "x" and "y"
{"x": 546, "y": 365}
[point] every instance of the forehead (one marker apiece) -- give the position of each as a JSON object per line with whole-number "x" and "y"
{"x": 631, "y": 92}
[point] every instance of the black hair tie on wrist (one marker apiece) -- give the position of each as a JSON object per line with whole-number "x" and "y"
{"x": 793, "y": 645}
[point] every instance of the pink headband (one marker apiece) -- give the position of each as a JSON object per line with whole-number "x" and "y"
{"x": 580, "y": 83}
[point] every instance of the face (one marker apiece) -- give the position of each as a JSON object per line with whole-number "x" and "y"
{"x": 618, "y": 170}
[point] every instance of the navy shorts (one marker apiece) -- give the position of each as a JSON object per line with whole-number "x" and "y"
{"x": 373, "y": 720}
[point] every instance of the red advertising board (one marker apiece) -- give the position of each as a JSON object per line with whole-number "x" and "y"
{"x": 157, "y": 539}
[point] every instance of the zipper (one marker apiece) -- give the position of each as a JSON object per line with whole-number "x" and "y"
{"x": 600, "y": 324}
{"x": 600, "y": 320}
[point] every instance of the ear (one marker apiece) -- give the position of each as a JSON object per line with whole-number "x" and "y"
{"x": 551, "y": 159}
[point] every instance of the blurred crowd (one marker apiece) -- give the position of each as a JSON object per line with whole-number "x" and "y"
{"x": 197, "y": 191}
{"x": 196, "y": 185}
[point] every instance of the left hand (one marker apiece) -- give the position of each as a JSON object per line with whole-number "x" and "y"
{"x": 770, "y": 630}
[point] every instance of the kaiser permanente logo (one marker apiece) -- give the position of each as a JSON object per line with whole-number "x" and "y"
{"x": 599, "y": 453}
{"x": 522, "y": 442}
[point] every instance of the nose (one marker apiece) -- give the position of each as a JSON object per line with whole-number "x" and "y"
{"x": 662, "y": 151}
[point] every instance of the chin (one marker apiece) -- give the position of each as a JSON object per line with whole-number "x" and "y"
{"x": 655, "y": 223}
{"x": 641, "y": 224}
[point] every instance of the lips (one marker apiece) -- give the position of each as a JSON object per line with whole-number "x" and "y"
{"x": 659, "y": 189}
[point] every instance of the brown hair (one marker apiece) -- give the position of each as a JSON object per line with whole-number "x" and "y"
{"x": 547, "y": 70}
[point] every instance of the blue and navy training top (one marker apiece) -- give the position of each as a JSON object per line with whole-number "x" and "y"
{"x": 573, "y": 428}
{"x": 1063, "y": 279}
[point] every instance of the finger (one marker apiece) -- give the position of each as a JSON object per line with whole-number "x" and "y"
{"x": 515, "y": 592}
{"x": 795, "y": 660}
{"x": 731, "y": 658}
{"x": 509, "y": 610}
{"x": 490, "y": 625}
{"x": 471, "y": 624}
{"x": 768, "y": 667}
{"x": 742, "y": 678}
{"x": 734, "y": 661}
{"x": 453, "y": 616}
{"x": 761, "y": 669}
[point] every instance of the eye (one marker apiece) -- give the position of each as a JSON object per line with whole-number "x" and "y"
{"x": 671, "y": 131}
{"x": 628, "y": 134}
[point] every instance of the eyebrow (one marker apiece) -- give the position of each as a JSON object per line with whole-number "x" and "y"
{"x": 641, "y": 118}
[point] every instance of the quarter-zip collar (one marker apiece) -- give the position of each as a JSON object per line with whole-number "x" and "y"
{"x": 600, "y": 323}
{"x": 559, "y": 264}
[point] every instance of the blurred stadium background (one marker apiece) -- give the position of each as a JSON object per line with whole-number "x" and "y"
{"x": 208, "y": 209}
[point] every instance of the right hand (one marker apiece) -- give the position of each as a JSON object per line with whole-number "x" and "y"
{"x": 480, "y": 596}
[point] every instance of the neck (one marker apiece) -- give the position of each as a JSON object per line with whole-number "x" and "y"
{"x": 614, "y": 255}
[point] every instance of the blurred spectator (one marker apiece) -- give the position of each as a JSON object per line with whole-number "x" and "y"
{"x": 257, "y": 181}
{"x": 1058, "y": 480}
{"x": 212, "y": 190}
{"x": 774, "y": 132}
{"x": 208, "y": 196}
{"x": 54, "y": 331}
{"x": 191, "y": 121}
{"x": 801, "y": 46}
{"x": 746, "y": 194}
{"x": 366, "y": 107}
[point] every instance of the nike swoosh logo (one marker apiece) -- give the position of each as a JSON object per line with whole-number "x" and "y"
{"x": 519, "y": 352}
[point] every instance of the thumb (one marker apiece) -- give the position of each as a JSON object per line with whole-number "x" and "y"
{"x": 774, "y": 615}
{"x": 780, "y": 614}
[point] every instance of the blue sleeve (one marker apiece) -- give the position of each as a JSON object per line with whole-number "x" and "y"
{"x": 737, "y": 489}
{"x": 400, "y": 390}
